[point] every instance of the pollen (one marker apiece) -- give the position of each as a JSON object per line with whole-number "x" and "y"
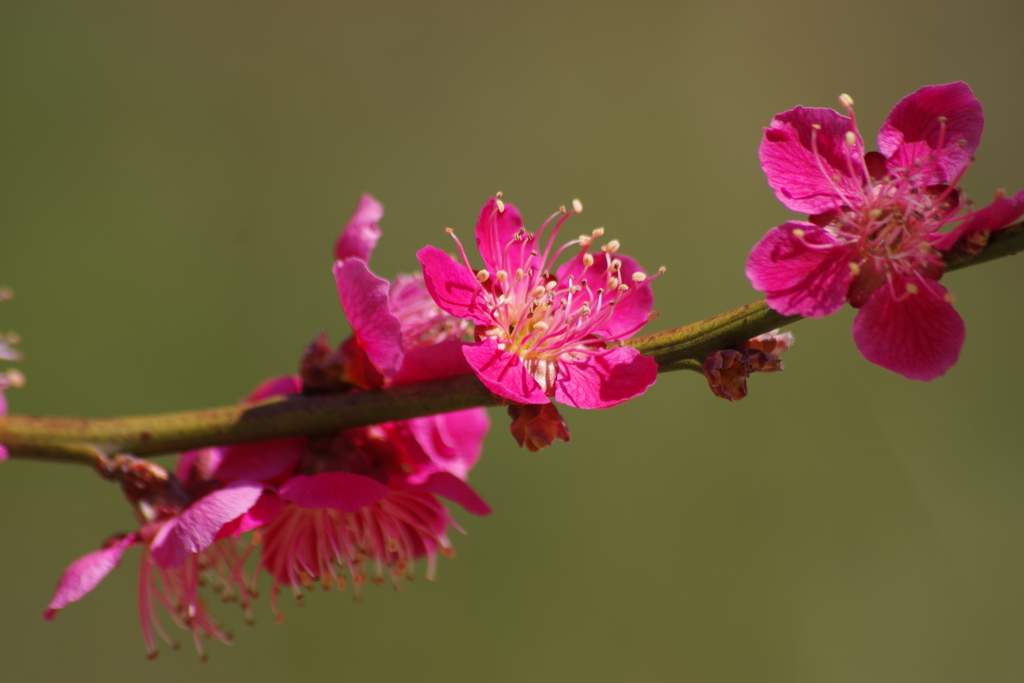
{"x": 577, "y": 206}
{"x": 855, "y": 269}
{"x": 798, "y": 233}
{"x": 912, "y": 288}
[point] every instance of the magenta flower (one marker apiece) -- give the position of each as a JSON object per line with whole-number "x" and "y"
{"x": 543, "y": 332}
{"x": 874, "y": 237}
{"x": 184, "y": 547}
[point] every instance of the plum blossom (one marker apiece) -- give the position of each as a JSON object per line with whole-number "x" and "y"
{"x": 542, "y": 332}
{"x": 183, "y": 548}
{"x": 873, "y": 237}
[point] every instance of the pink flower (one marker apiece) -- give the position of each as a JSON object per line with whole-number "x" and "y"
{"x": 360, "y": 502}
{"x": 541, "y": 332}
{"x": 183, "y": 548}
{"x": 873, "y": 237}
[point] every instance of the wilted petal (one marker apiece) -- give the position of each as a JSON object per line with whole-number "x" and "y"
{"x": 537, "y": 426}
{"x": 197, "y": 527}
{"x": 812, "y": 177}
{"x": 915, "y": 137}
{"x": 602, "y": 380}
{"x": 364, "y": 298}
{"x": 806, "y": 274}
{"x": 452, "y": 286}
{"x": 85, "y": 573}
{"x": 918, "y": 336}
{"x": 341, "y": 491}
{"x": 360, "y": 236}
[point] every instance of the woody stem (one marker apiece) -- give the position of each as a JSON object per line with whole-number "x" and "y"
{"x": 90, "y": 441}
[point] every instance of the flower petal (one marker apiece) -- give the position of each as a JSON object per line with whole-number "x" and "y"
{"x": 265, "y": 509}
{"x": 801, "y": 274}
{"x": 604, "y": 379}
{"x": 260, "y": 460}
{"x": 341, "y": 491}
{"x": 447, "y": 485}
{"x": 503, "y": 373}
{"x": 919, "y": 336}
{"x": 85, "y": 573}
{"x": 452, "y": 441}
{"x": 495, "y": 232}
{"x": 454, "y": 289}
{"x": 914, "y": 136}
{"x": 197, "y": 527}
{"x": 812, "y": 170}
{"x": 364, "y": 298}
{"x": 360, "y": 236}
{"x": 996, "y": 215}
{"x": 444, "y": 359}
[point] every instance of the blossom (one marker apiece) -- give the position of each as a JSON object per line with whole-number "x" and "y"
{"x": 542, "y": 332}
{"x": 183, "y": 547}
{"x": 352, "y": 506}
{"x": 873, "y": 237}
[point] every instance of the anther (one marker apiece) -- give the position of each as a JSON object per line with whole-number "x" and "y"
{"x": 501, "y": 275}
{"x": 613, "y": 283}
{"x": 540, "y": 325}
{"x": 623, "y": 288}
{"x": 550, "y": 285}
{"x": 499, "y": 194}
{"x": 855, "y": 269}
{"x": 638, "y": 277}
{"x": 501, "y": 205}
{"x": 537, "y": 292}
{"x": 617, "y": 265}
{"x": 588, "y": 260}
{"x": 597, "y": 232}
{"x": 798, "y": 233}
{"x": 851, "y": 139}
{"x": 449, "y": 231}
{"x": 846, "y": 101}
{"x": 611, "y": 247}
{"x": 519, "y": 274}
{"x": 816, "y": 126}
{"x": 912, "y": 288}
{"x": 585, "y": 240}
{"x": 482, "y": 276}
{"x": 661, "y": 270}
{"x": 875, "y": 214}
{"x": 577, "y": 206}
{"x": 562, "y": 209}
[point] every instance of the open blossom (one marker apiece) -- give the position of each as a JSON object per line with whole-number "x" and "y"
{"x": 542, "y": 332}
{"x": 183, "y": 549}
{"x": 353, "y": 506}
{"x": 874, "y": 234}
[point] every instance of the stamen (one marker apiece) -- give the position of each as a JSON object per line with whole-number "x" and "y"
{"x": 613, "y": 283}
{"x": 519, "y": 274}
{"x": 846, "y": 101}
{"x": 540, "y": 325}
{"x": 537, "y": 292}
{"x": 611, "y": 247}
{"x": 588, "y": 260}
{"x": 577, "y": 206}
{"x": 912, "y": 288}
{"x": 639, "y": 277}
{"x": 851, "y": 139}
{"x": 499, "y": 194}
{"x": 482, "y": 276}
{"x": 585, "y": 240}
{"x": 597, "y": 232}
{"x": 798, "y": 233}
{"x": 501, "y": 276}
{"x": 501, "y": 205}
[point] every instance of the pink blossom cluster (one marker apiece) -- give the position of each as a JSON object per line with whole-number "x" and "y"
{"x": 876, "y": 232}
{"x": 352, "y": 507}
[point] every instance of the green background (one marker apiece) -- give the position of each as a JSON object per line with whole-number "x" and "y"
{"x": 172, "y": 178}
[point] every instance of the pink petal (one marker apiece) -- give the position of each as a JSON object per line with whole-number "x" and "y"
{"x": 85, "y": 573}
{"x": 495, "y": 232}
{"x": 806, "y": 181}
{"x": 454, "y": 289}
{"x": 918, "y": 337}
{"x": 265, "y": 509}
{"x": 912, "y": 133}
{"x": 433, "y": 362}
{"x": 259, "y": 461}
{"x": 364, "y": 298}
{"x": 808, "y": 276}
{"x": 360, "y": 236}
{"x": 447, "y": 485}
{"x": 503, "y": 373}
{"x": 452, "y": 441}
{"x": 341, "y": 491}
{"x": 197, "y": 527}
{"x": 631, "y": 311}
{"x": 605, "y": 379}
{"x": 998, "y": 214}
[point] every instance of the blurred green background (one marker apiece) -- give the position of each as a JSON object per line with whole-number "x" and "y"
{"x": 172, "y": 178}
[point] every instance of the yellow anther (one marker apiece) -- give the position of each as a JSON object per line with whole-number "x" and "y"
{"x": 588, "y": 260}
{"x": 661, "y": 270}
{"x": 537, "y": 292}
{"x": 540, "y": 325}
{"x": 501, "y": 275}
{"x": 613, "y": 283}
{"x": 875, "y": 214}
{"x": 851, "y": 139}
{"x": 639, "y": 277}
{"x": 449, "y": 231}
{"x": 912, "y": 288}
{"x": 597, "y": 232}
{"x": 519, "y": 274}
{"x": 550, "y": 285}
{"x": 577, "y": 206}
{"x": 482, "y": 276}
{"x": 585, "y": 240}
{"x": 499, "y": 194}
{"x": 611, "y": 247}
{"x": 501, "y": 205}
{"x": 855, "y": 269}
{"x": 798, "y": 233}
{"x": 623, "y": 288}
{"x": 846, "y": 101}
{"x": 816, "y": 126}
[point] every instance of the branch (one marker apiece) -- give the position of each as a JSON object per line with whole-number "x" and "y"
{"x": 90, "y": 441}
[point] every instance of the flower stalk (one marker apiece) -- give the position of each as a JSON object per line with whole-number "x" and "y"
{"x": 92, "y": 441}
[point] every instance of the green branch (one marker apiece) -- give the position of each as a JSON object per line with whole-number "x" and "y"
{"x": 91, "y": 441}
